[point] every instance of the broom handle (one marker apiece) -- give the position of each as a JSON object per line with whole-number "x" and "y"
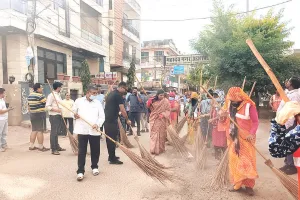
{"x": 252, "y": 90}
{"x": 234, "y": 123}
{"x": 216, "y": 80}
{"x": 58, "y": 106}
{"x": 244, "y": 82}
{"x": 140, "y": 84}
{"x": 268, "y": 70}
{"x": 207, "y": 84}
{"x": 91, "y": 125}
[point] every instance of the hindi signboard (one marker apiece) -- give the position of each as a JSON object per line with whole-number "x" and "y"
{"x": 186, "y": 59}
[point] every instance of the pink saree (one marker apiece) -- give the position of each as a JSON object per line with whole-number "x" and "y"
{"x": 158, "y": 125}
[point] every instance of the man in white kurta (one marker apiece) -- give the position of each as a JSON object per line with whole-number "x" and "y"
{"x": 91, "y": 110}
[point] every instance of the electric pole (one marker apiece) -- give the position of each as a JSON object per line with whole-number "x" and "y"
{"x": 247, "y": 6}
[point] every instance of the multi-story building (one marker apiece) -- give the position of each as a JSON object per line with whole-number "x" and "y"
{"x": 124, "y": 37}
{"x": 65, "y": 32}
{"x": 152, "y": 59}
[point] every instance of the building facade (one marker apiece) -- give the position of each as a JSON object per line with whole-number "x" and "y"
{"x": 153, "y": 68}
{"x": 124, "y": 37}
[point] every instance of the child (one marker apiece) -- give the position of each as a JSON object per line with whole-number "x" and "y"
{"x": 3, "y": 121}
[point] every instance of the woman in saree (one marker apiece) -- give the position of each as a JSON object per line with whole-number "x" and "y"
{"x": 242, "y": 155}
{"x": 159, "y": 120}
{"x": 174, "y": 109}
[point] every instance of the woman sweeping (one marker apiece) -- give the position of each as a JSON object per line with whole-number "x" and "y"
{"x": 218, "y": 131}
{"x": 159, "y": 121}
{"x": 191, "y": 108}
{"x": 174, "y": 109}
{"x": 242, "y": 155}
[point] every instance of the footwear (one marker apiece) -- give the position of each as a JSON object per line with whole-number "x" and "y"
{"x": 116, "y": 158}
{"x": 61, "y": 149}
{"x": 80, "y": 177}
{"x": 95, "y": 172}
{"x": 2, "y": 150}
{"x": 33, "y": 148}
{"x": 290, "y": 170}
{"x": 142, "y": 131}
{"x": 283, "y": 168}
{"x": 249, "y": 191}
{"x": 234, "y": 190}
{"x": 147, "y": 130}
{"x": 129, "y": 134}
{"x": 138, "y": 134}
{"x": 115, "y": 162}
{"x": 55, "y": 153}
{"x": 44, "y": 149}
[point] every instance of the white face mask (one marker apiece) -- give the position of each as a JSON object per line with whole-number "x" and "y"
{"x": 93, "y": 97}
{"x": 171, "y": 98}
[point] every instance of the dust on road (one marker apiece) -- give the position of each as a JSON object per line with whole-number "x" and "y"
{"x": 29, "y": 175}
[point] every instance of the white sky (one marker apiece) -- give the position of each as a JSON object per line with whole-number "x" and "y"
{"x": 182, "y": 32}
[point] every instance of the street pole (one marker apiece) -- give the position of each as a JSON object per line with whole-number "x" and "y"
{"x": 247, "y": 7}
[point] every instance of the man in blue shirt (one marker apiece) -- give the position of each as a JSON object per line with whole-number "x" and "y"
{"x": 100, "y": 97}
{"x": 136, "y": 106}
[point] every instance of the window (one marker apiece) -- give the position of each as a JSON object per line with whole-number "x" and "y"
{"x": 62, "y": 7}
{"x": 50, "y": 63}
{"x": 101, "y": 63}
{"x": 76, "y": 65}
{"x": 159, "y": 56}
{"x": 100, "y": 2}
{"x": 145, "y": 57}
{"x": 17, "y": 5}
{"x": 111, "y": 41}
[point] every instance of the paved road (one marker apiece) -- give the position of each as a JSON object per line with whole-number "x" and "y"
{"x": 35, "y": 175}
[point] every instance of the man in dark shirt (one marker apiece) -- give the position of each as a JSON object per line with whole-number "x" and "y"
{"x": 136, "y": 106}
{"x": 114, "y": 105}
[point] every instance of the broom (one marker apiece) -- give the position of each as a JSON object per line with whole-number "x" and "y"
{"x": 124, "y": 139}
{"x": 180, "y": 125}
{"x": 73, "y": 141}
{"x": 290, "y": 184}
{"x": 287, "y": 181}
{"x": 202, "y": 158}
{"x": 148, "y": 168}
{"x": 216, "y": 80}
{"x": 252, "y": 89}
{"x": 176, "y": 142}
{"x": 221, "y": 177}
{"x": 244, "y": 82}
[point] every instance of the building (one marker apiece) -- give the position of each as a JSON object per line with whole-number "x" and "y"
{"x": 124, "y": 37}
{"x": 152, "y": 60}
{"x": 66, "y": 32}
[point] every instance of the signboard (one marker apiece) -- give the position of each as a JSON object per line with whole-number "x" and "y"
{"x": 178, "y": 69}
{"x": 186, "y": 59}
{"x": 111, "y": 75}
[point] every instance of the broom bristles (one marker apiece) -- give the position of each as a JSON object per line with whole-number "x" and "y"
{"x": 221, "y": 177}
{"x": 180, "y": 125}
{"x": 73, "y": 143}
{"x": 124, "y": 138}
{"x": 176, "y": 142}
{"x": 151, "y": 170}
{"x": 147, "y": 156}
{"x": 199, "y": 142}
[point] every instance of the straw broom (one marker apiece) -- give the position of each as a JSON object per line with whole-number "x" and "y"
{"x": 201, "y": 160}
{"x": 199, "y": 142}
{"x": 221, "y": 177}
{"x": 73, "y": 141}
{"x": 124, "y": 139}
{"x": 180, "y": 125}
{"x": 148, "y": 168}
{"x": 176, "y": 142}
{"x": 216, "y": 81}
{"x": 288, "y": 182}
{"x": 244, "y": 82}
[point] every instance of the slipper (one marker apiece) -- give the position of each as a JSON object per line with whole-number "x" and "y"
{"x": 234, "y": 190}
{"x": 33, "y": 148}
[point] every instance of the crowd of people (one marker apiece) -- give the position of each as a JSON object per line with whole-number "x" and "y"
{"x": 225, "y": 122}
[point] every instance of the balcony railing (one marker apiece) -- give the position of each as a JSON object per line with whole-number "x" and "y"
{"x": 134, "y": 4}
{"x": 127, "y": 57}
{"x": 127, "y": 25}
{"x": 91, "y": 37}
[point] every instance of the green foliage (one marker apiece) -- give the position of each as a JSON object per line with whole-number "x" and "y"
{"x": 85, "y": 75}
{"x": 224, "y": 42}
{"x": 131, "y": 75}
{"x": 193, "y": 78}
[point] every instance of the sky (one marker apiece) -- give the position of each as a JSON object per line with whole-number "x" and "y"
{"x": 183, "y": 32}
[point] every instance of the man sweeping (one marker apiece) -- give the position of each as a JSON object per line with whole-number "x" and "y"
{"x": 242, "y": 155}
{"x": 90, "y": 109}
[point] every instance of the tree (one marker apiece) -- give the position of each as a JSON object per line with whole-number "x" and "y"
{"x": 85, "y": 75}
{"x": 131, "y": 75}
{"x": 223, "y": 41}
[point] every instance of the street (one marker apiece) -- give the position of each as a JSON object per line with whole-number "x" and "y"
{"x": 36, "y": 175}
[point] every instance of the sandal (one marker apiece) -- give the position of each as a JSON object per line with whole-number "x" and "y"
{"x": 44, "y": 149}
{"x": 55, "y": 153}
{"x": 33, "y": 148}
{"x": 234, "y": 190}
{"x": 61, "y": 149}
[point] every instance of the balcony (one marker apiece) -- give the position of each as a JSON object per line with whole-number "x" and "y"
{"x": 133, "y": 5}
{"x": 127, "y": 25}
{"x": 130, "y": 33}
{"x": 91, "y": 37}
{"x": 128, "y": 58}
{"x": 17, "y": 5}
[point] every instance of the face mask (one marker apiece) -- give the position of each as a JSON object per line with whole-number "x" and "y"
{"x": 93, "y": 97}
{"x": 171, "y": 98}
